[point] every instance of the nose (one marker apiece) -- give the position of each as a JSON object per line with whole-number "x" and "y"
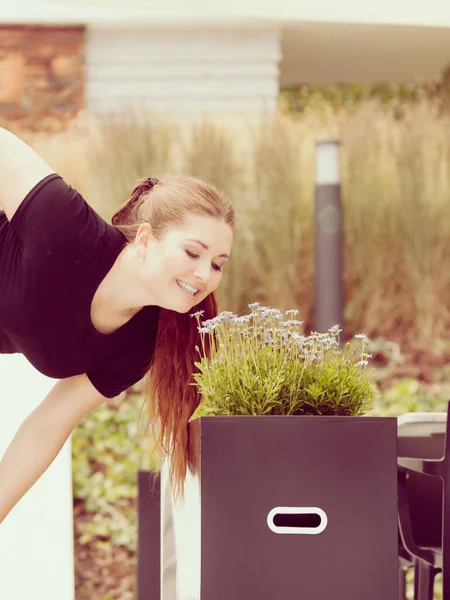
{"x": 203, "y": 273}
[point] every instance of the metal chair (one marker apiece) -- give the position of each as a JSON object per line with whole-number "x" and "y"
{"x": 423, "y": 442}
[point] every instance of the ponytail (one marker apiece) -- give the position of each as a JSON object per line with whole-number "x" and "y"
{"x": 127, "y": 213}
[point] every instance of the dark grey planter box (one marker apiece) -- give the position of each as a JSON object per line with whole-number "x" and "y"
{"x": 290, "y": 507}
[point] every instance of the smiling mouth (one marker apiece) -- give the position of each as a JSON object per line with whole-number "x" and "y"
{"x": 187, "y": 288}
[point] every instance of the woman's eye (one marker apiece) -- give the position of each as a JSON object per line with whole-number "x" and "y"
{"x": 192, "y": 255}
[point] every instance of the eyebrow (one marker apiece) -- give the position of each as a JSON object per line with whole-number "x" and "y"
{"x": 206, "y": 247}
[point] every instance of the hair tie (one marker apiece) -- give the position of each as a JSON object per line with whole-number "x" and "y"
{"x": 150, "y": 182}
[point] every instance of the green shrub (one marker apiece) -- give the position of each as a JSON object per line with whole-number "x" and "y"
{"x": 106, "y": 459}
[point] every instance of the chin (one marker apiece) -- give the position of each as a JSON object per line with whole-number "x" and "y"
{"x": 180, "y": 308}
{"x": 182, "y": 311}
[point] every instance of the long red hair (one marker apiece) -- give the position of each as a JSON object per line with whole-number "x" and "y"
{"x": 169, "y": 393}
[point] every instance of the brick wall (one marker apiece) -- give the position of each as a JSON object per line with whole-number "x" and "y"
{"x": 41, "y": 75}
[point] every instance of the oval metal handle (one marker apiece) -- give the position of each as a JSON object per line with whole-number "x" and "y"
{"x": 309, "y": 520}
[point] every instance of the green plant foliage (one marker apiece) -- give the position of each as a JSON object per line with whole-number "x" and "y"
{"x": 347, "y": 95}
{"x": 409, "y": 395}
{"x": 106, "y": 459}
{"x": 338, "y": 96}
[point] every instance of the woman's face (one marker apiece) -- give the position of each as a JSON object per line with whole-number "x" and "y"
{"x": 183, "y": 267}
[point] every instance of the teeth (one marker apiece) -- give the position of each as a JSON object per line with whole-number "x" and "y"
{"x": 187, "y": 287}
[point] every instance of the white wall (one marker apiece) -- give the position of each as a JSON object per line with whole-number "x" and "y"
{"x": 36, "y": 538}
{"x": 183, "y": 70}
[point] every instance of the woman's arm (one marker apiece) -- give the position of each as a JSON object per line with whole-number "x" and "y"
{"x": 21, "y": 168}
{"x": 42, "y": 435}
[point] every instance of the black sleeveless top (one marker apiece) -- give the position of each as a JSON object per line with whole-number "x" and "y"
{"x": 53, "y": 255}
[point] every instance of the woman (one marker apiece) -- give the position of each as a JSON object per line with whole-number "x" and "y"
{"x": 100, "y": 306}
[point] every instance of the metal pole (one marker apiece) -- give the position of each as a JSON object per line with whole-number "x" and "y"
{"x": 328, "y": 224}
{"x": 149, "y": 536}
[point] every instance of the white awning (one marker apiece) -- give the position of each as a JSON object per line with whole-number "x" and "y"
{"x": 401, "y": 12}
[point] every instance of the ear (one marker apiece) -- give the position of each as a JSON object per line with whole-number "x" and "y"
{"x": 143, "y": 235}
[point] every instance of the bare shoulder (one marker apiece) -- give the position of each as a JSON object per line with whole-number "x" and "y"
{"x": 21, "y": 168}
